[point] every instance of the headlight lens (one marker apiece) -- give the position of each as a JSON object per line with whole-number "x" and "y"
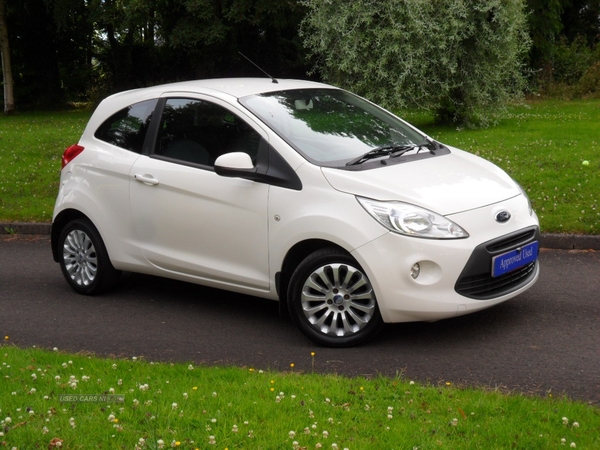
{"x": 411, "y": 220}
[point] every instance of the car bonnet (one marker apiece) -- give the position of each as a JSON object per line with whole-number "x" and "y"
{"x": 447, "y": 184}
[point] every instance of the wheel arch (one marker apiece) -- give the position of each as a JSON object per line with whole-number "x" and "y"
{"x": 293, "y": 257}
{"x": 59, "y": 222}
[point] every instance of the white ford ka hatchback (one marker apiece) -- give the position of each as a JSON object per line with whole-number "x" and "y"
{"x": 293, "y": 191}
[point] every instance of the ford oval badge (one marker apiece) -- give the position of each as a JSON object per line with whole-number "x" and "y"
{"x": 503, "y": 216}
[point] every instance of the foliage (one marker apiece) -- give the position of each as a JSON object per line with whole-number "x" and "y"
{"x": 55, "y": 399}
{"x": 460, "y": 59}
{"x": 565, "y": 35}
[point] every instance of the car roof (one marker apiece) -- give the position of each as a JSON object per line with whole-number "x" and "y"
{"x": 241, "y": 87}
{"x": 229, "y": 87}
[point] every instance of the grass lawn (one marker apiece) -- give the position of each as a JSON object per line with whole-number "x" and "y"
{"x": 542, "y": 144}
{"x": 84, "y": 402}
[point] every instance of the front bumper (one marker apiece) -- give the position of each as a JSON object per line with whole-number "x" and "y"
{"x": 455, "y": 275}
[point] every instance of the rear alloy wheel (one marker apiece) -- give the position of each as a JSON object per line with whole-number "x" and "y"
{"x": 332, "y": 301}
{"x": 84, "y": 260}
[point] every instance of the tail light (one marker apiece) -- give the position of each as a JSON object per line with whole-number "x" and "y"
{"x": 70, "y": 154}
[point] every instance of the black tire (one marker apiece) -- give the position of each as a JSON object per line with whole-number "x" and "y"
{"x": 84, "y": 260}
{"x": 332, "y": 301}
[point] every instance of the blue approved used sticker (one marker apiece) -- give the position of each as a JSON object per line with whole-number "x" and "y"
{"x": 509, "y": 261}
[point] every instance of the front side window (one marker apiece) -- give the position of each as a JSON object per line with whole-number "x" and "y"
{"x": 198, "y": 132}
{"x": 330, "y": 126}
{"x": 127, "y": 128}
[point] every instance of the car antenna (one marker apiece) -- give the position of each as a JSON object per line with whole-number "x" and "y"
{"x": 258, "y": 67}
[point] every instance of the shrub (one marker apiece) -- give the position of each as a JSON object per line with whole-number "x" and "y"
{"x": 460, "y": 59}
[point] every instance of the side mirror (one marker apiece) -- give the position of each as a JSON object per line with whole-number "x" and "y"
{"x": 235, "y": 160}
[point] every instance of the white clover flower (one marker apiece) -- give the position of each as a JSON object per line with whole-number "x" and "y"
{"x": 111, "y": 417}
{"x": 45, "y": 430}
{"x": 185, "y": 395}
{"x": 55, "y": 349}
{"x": 330, "y": 420}
{"x": 292, "y": 434}
{"x": 390, "y": 417}
{"x": 85, "y": 378}
{"x": 325, "y": 434}
{"x": 8, "y": 420}
{"x": 575, "y": 424}
{"x": 174, "y": 405}
{"x": 214, "y": 394}
{"x": 114, "y": 366}
{"x": 234, "y": 429}
{"x": 65, "y": 365}
{"x": 573, "y": 445}
{"x": 120, "y": 382}
{"x": 411, "y": 383}
{"x": 190, "y": 367}
{"x": 306, "y": 430}
{"x": 72, "y": 422}
{"x": 111, "y": 390}
{"x": 32, "y": 391}
{"x": 33, "y": 376}
{"x": 160, "y": 443}
{"x": 57, "y": 377}
{"x": 454, "y": 422}
{"x": 31, "y": 412}
{"x": 211, "y": 440}
{"x": 565, "y": 421}
{"x": 143, "y": 387}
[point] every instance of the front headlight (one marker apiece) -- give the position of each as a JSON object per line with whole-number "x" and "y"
{"x": 411, "y": 220}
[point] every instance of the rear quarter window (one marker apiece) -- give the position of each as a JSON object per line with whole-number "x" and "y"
{"x": 127, "y": 128}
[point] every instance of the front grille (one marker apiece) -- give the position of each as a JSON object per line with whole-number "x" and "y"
{"x": 476, "y": 279}
{"x": 508, "y": 243}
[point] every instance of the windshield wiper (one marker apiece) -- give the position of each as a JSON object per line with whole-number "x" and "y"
{"x": 390, "y": 150}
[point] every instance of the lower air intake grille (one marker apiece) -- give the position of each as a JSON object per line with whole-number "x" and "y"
{"x": 485, "y": 286}
{"x": 476, "y": 280}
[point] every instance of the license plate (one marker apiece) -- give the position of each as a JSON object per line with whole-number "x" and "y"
{"x": 509, "y": 261}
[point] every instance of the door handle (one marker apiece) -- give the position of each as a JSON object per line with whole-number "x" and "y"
{"x": 146, "y": 179}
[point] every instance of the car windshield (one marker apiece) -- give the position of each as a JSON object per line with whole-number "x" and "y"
{"x": 329, "y": 126}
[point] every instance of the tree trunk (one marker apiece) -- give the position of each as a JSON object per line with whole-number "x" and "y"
{"x": 9, "y": 100}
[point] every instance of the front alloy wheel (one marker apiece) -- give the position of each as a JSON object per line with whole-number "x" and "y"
{"x": 84, "y": 260}
{"x": 332, "y": 301}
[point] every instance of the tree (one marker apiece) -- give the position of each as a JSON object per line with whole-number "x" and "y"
{"x": 461, "y": 59}
{"x": 9, "y": 101}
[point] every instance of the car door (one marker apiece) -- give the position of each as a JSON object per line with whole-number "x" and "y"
{"x": 189, "y": 220}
